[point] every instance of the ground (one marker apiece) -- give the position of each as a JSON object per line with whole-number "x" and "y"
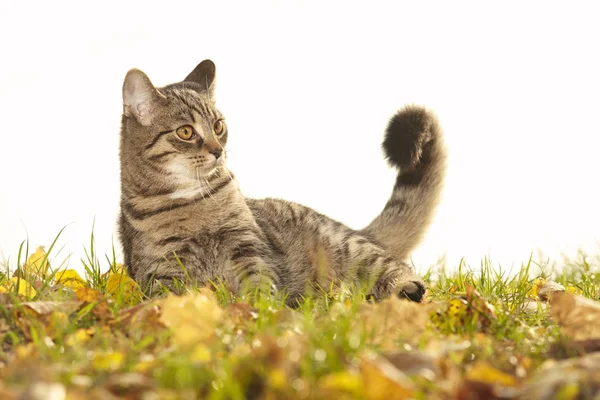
{"x": 479, "y": 334}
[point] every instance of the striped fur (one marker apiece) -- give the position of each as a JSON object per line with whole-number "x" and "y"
{"x": 180, "y": 205}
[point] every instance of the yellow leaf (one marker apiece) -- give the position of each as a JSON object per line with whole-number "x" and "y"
{"x": 70, "y": 278}
{"x": 535, "y": 286}
{"x": 457, "y": 307}
{"x": 191, "y": 318}
{"x": 80, "y": 336}
{"x": 88, "y": 294}
{"x": 278, "y": 379}
{"x": 342, "y": 381}
{"x": 3, "y": 289}
{"x": 59, "y": 321}
{"x": 123, "y": 287}
{"x": 38, "y": 262}
{"x": 25, "y": 351}
{"x": 201, "y": 354}
{"x": 483, "y": 372}
{"x": 383, "y": 381}
{"x": 23, "y": 287}
{"x": 110, "y": 361}
{"x": 147, "y": 361}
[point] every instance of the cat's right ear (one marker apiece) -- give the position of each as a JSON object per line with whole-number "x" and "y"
{"x": 204, "y": 75}
{"x": 140, "y": 97}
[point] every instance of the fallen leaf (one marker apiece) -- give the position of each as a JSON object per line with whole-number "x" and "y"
{"x": 120, "y": 286}
{"x": 382, "y": 381}
{"x": 477, "y": 304}
{"x": 191, "y": 318}
{"x": 132, "y": 383}
{"x": 342, "y": 381}
{"x": 37, "y": 263}
{"x": 46, "y": 307}
{"x": 70, "y": 278}
{"x": 548, "y": 289}
{"x": 485, "y": 373}
{"x": 413, "y": 363}
{"x": 88, "y": 294}
{"x": 109, "y": 361}
{"x": 23, "y": 287}
{"x": 394, "y": 319}
{"x": 578, "y": 316}
{"x": 79, "y": 337}
{"x": 573, "y": 378}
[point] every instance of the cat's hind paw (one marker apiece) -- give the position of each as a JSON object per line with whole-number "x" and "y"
{"x": 412, "y": 290}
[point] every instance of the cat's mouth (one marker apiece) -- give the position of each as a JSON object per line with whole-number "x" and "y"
{"x": 208, "y": 169}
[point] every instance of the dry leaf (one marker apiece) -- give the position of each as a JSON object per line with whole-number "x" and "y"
{"x": 485, "y": 373}
{"x": 37, "y": 263}
{"x": 383, "y": 381}
{"x": 70, "y": 278}
{"x": 191, "y": 318}
{"x": 88, "y": 294}
{"x": 413, "y": 363}
{"x": 109, "y": 361}
{"x": 578, "y": 316}
{"x": 393, "y": 319}
{"x": 46, "y": 307}
{"x": 122, "y": 286}
{"x": 477, "y": 304}
{"x": 23, "y": 287}
{"x": 548, "y": 289}
{"x": 342, "y": 381}
{"x": 131, "y": 383}
{"x": 574, "y": 378}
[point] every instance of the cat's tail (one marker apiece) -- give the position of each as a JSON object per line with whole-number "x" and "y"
{"x": 414, "y": 144}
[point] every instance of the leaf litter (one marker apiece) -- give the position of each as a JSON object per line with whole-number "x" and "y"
{"x": 69, "y": 337}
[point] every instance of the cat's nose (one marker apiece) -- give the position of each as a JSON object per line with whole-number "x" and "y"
{"x": 217, "y": 153}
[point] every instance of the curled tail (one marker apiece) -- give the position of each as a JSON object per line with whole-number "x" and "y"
{"x": 414, "y": 144}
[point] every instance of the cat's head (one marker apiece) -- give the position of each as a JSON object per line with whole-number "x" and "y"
{"x": 175, "y": 129}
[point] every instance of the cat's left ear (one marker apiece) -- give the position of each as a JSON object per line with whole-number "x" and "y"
{"x": 140, "y": 97}
{"x": 204, "y": 75}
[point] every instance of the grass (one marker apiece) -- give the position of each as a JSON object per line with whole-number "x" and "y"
{"x": 482, "y": 332}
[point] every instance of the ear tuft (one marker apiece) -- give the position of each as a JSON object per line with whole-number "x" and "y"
{"x": 204, "y": 75}
{"x": 140, "y": 97}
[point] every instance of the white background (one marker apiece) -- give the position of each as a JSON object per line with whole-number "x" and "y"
{"x": 307, "y": 89}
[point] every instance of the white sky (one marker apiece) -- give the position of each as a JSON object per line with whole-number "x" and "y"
{"x": 307, "y": 88}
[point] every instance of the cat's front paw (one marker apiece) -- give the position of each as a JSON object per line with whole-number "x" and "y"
{"x": 164, "y": 286}
{"x": 258, "y": 285}
{"x": 412, "y": 290}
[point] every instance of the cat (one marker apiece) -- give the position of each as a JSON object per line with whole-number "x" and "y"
{"x": 184, "y": 219}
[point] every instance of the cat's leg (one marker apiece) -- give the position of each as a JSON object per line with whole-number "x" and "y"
{"x": 251, "y": 268}
{"x": 397, "y": 278}
{"x": 384, "y": 275}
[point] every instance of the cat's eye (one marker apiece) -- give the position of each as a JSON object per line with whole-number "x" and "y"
{"x": 185, "y": 132}
{"x": 219, "y": 127}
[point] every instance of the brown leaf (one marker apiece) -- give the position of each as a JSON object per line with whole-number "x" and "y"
{"x": 413, "y": 363}
{"x": 548, "y": 289}
{"x": 131, "y": 383}
{"x": 477, "y": 303}
{"x": 88, "y": 294}
{"x": 574, "y": 378}
{"x": 578, "y": 316}
{"x": 393, "y": 319}
{"x": 383, "y": 381}
{"x": 47, "y": 307}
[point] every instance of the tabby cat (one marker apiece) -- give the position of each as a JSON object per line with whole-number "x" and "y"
{"x": 181, "y": 206}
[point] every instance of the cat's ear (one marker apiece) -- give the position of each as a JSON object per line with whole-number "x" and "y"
{"x": 140, "y": 97}
{"x": 204, "y": 75}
